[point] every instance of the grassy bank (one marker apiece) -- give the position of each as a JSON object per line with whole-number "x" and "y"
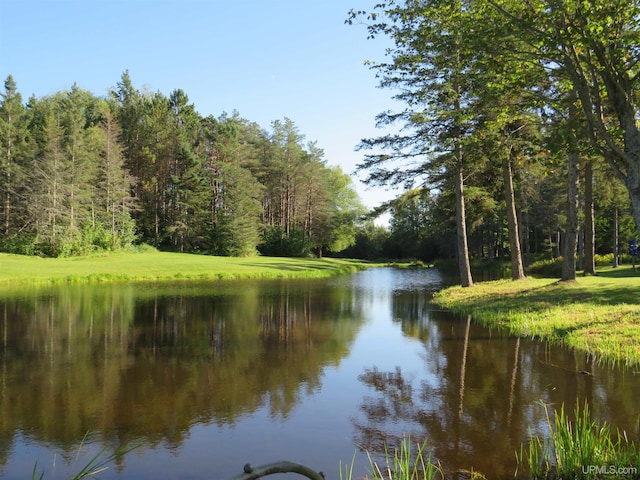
{"x": 152, "y": 266}
{"x": 599, "y": 315}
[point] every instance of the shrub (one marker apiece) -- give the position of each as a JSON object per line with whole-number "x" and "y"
{"x": 551, "y": 268}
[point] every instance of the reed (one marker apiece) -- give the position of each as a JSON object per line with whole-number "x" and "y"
{"x": 96, "y": 464}
{"x": 580, "y": 448}
{"x": 403, "y": 463}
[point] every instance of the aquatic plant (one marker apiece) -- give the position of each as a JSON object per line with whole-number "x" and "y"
{"x": 581, "y": 448}
{"x": 97, "y": 464}
{"x": 401, "y": 464}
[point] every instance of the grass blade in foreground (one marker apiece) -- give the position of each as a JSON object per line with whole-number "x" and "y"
{"x": 97, "y": 464}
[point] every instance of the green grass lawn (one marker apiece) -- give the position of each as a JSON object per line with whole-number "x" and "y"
{"x": 151, "y": 266}
{"x": 599, "y": 314}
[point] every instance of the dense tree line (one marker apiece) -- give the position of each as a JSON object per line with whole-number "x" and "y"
{"x": 79, "y": 173}
{"x": 519, "y": 119}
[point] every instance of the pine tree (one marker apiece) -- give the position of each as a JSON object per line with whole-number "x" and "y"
{"x": 14, "y": 148}
{"x": 114, "y": 185}
{"x": 50, "y": 186}
{"x": 236, "y": 202}
{"x": 81, "y": 148}
{"x": 432, "y": 68}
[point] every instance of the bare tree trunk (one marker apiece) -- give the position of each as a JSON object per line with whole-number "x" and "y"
{"x": 463, "y": 252}
{"x": 616, "y": 241}
{"x": 517, "y": 268}
{"x": 571, "y": 233}
{"x": 633, "y": 186}
{"x": 589, "y": 222}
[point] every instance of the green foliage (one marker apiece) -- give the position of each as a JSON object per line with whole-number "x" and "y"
{"x": 141, "y": 166}
{"x": 276, "y": 243}
{"x": 413, "y": 231}
{"x": 551, "y": 268}
{"x": 403, "y": 464}
{"x": 369, "y": 243}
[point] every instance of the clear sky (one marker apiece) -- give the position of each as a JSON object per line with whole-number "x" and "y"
{"x": 267, "y": 59}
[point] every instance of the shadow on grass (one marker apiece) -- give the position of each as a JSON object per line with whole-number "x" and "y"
{"x": 620, "y": 272}
{"x": 560, "y": 293}
{"x": 309, "y": 266}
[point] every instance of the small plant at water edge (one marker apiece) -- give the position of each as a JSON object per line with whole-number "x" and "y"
{"x": 402, "y": 464}
{"x": 97, "y": 464}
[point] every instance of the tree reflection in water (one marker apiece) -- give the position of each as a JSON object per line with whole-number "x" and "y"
{"x": 477, "y": 395}
{"x": 149, "y": 362}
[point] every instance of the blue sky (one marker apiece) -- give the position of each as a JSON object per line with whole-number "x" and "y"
{"x": 267, "y": 59}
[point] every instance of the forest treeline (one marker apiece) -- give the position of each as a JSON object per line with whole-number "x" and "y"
{"x": 80, "y": 173}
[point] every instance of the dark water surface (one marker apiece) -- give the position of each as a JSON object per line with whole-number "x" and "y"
{"x": 209, "y": 377}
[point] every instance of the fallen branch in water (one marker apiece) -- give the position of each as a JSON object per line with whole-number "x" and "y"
{"x": 251, "y": 473}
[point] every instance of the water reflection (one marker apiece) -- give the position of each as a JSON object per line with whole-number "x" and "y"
{"x": 151, "y": 362}
{"x": 212, "y": 376}
{"x": 480, "y": 393}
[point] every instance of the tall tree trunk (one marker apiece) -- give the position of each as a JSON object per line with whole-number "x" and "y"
{"x": 632, "y": 183}
{"x": 589, "y": 222}
{"x": 616, "y": 241}
{"x": 7, "y": 195}
{"x": 461, "y": 228}
{"x": 571, "y": 232}
{"x": 517, "y": 268}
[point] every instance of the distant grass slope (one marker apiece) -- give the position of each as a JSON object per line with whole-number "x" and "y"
{"x": 599, "y": 315}
{"x": 151, "y": 266}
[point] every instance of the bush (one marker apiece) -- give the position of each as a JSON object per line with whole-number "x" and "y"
{"x": 276, "y": 243}
{"x": 21, "y": 244}
{"x": 551, "y": 268}
{"x": 607, "y": 259}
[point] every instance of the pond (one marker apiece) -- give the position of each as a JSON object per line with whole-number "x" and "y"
{"x": 207, "y": 377}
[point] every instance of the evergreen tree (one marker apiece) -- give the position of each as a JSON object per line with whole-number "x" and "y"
{"x": 50, "y": 184}
{"x": 187, "y": 186}
{"x": 236, "y": 201}
{"x": 14, "y": 150}
{"x": 114, "y": 186}
{"x": 81, "y": 150}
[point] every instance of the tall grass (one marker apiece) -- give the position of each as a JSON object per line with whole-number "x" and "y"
{"x": 580, "y": 449}
{"x": 403, "y": 463}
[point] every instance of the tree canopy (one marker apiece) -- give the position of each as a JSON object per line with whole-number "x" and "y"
{"x": 511, "y": 96}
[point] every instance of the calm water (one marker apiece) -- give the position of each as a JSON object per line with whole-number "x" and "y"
{"x": 210, "y": 377}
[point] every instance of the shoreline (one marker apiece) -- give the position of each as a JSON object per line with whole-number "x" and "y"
{"x": 597, "y": 315}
